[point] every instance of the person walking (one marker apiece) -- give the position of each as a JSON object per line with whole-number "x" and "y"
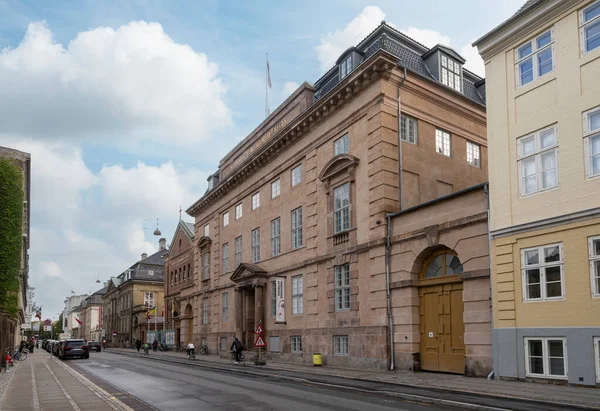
{"x": 237, "y": 347}
{"x": 155, "y": 345}
{"x": 138, "y": 344}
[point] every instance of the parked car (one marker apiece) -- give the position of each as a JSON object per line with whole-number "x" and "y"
{"x": 56, "y": 348}
{"x": 74, "y": 348}
{"x": 94, "y": 345}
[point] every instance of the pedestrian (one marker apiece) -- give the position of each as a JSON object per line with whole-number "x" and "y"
{"x": 155, "y": 345}
{"x": 237, "y": 348}
{"x": 138, "y": 344}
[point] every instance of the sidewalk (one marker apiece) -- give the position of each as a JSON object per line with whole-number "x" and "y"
{"x": 586, "y": 398}
{"x": 44, "y": 383}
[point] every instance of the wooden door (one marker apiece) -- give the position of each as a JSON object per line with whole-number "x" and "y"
{"x": 442, "y": 328}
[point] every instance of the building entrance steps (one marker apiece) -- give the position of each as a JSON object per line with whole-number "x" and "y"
{"x": 45, "y": 383}
{"x": 580, "y": 397}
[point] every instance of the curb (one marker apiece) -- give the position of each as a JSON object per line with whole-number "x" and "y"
{"x": 411, "y": 397}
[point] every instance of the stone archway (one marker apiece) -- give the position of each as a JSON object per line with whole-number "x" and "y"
{"x": 187, "y": 325}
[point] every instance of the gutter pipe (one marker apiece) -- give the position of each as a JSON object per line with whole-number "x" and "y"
{"x": 389, "y": 235}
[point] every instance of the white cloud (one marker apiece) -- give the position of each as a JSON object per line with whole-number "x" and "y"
{"x": 474, "y": 61}
{"x": 288, "y": 88}
{"x": 134, "y": 81}
{"x": 50, "y": 269}
{"x": 333, "y": 44}
{"x": 426, "y": 37}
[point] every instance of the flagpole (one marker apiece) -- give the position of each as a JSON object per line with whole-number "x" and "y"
{"x": 267, "y": 85}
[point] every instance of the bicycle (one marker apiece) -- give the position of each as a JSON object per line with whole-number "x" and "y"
{"x": 21, "y": 356}
{"x": 204, "y": 349}
{"x": 191, "y": 354}
{"x": 241, "y": 361}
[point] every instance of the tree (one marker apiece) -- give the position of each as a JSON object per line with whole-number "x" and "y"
{"x": 11, "y": 232}
{"x": 57, "y": 326}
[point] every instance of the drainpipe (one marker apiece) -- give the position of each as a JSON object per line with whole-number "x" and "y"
{"x": 486, "y": 190}
{"x": 388, "y": 238}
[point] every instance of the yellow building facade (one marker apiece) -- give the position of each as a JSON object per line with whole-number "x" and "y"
{"x": 543, "y": 111}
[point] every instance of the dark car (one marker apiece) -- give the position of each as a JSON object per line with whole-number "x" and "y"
{"x": 95, "y": 345}
{"x": 74, "y": 348}
{"x": 56, "y": 347}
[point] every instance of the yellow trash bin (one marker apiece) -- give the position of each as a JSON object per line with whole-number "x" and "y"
{"x": 317, "y": 359}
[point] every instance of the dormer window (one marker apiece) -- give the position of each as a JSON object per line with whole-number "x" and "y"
{"x": 211, "y": 184}
{"x": 451, "y": 73}
{"x": 346, "y": 66}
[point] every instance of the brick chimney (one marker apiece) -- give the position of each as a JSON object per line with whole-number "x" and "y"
{"x": 162, "y": 244}
{"x": 144, "y": 256}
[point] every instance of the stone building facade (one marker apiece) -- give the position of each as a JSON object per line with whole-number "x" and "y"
{"x": 292, "y": 231}
{"x": 90, "y": 315}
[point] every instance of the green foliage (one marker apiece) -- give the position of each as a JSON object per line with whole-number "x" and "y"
{"x": 57, "y": 326}
{"x": 11, "y": 231}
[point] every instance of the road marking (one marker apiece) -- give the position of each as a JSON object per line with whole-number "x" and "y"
{"x": 62, "y": 388}
{"x": 36, "y": 400}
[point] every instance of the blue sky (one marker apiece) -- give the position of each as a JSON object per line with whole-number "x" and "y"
{"x": 126, "y": 107}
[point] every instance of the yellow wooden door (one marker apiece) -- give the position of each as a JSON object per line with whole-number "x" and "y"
{"x": 442, "y": 328}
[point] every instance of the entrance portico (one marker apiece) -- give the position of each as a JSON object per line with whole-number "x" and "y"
{"x": 250, "y": 281}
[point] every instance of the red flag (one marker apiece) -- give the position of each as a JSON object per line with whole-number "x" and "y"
{"x": 163, "y": 311}
{"x": 78, "y": 320}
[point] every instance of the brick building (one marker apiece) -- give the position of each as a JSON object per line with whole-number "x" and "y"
{"x": 298, "y": 228}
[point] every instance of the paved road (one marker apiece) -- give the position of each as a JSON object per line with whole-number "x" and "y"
{"x": 165, "y": 386}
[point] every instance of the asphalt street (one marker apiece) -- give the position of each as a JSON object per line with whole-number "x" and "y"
{"x": 146, "y": 384}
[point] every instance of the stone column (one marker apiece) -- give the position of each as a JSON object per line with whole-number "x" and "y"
{"x": 258, "y": 306}
{"x": 239, "y": 319}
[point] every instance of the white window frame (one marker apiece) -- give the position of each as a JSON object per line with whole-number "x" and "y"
{"x": 256, "y": 245}
{"x": 346, "y": 67}
{"x": 451, "y": 73}
{"x": 583, "y": 25}
{"x": 594, "y": 258}
{"x": 225, "y": 258}
{"x": 238, "y": 251}
{"x": 597, "y": 356}
{"x": 206, "y": 265}
{"x": 205, "y": 310}
{"x": 340, "y": 345}
{"x": 226, "y": 219}
{"x": 341, "y": 209}
{"x": 296, "y": 175}
{"x": 533, "y": 55}
{"x": 297, "y": 228}
{"x": 409, "y": 129}
{"x": 149, "y": 299}
{"x": 255, "y": 200}
{"x": 473, "y": 154}
{"x": 341, "y": 145}
{"x": 443, "y": 142}
{"x": 542, "y": 266}
{"x": 276, "y": 188}
{"x": 342, "y": 287}
{"x": 207, "y": 230}
{"x": 296, "y": 344}
{"x": 276, "y": 237}
{"x": 297, "y": 295}
{"x": 537, "y": 154}
{"x": 238, "y": 211}
{"x": 546, "y": 357}
{"x": 588, "y": 135}
{"x": 225, "y": 307}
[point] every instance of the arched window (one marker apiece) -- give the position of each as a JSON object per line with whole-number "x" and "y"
{"x": 180, "y": 243}
{"x": 189, "y": 274}
{"x": 184, "y": 273}
{"x": 443, "y": 264}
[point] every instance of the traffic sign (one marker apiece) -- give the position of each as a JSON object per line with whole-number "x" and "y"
{"x": 260, "y": 342}
{"x": 47, "y": 321}
{"x": 259, "y": 329}
{"x": 47, "y": 328}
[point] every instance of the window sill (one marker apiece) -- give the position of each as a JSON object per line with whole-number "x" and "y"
{"x": 590, "y": 56}
{"x": 547, "y": 377}
{"x": 348, "y": 231}
{"x": 547, "y": 300}
{"x": 525, "y": 196}
{"x": 538, "y": 82}
{"x": 280, "y": 322}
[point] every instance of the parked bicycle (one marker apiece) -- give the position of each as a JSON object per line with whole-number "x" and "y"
{"x": 242, "y": 359}
{"x": 163, "y": 347}
{"x": 21, "y": 356}
{"x": 204, "y": 349}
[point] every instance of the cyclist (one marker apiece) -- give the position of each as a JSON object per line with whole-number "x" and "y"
{"x": 190, "y": 349}
{"x": 237, "y": 347}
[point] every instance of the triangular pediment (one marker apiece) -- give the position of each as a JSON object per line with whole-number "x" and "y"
{"x": 338, "y": 164}
{"x": 245, "y": 271}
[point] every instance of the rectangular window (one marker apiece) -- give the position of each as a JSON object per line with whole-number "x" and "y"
{"x": 225, "y": 307}
{"x": 597, "y": 352}
{"x": 276, "y": 237}
{"x": 451, "y": 73}
{"x": 206, "y": 265}
{"x": 205, "y": 308}
{"x": 340, "y": 345}
{"x": 238, "y": 251}
{"x": 543, "y": 276}
{"x": 341, "y": 145}
{"x": 297, "y": 227}
{"x": 341, "y": 208}
{"x": 342, "y": 287}
{"x": 408, "y": 129}
{"x": 149, "y": 299}
{"x": 535, "y": 58}
{"x": 226, "y": 219}
{"x": 538, "y": 162}
{"x": 296, "y": 175}
{"x": 276, "y": 188}
{"x": 591, "y": 133}
{"x": 589, "y": 22}
{"x": 297, "y": 295}
{"x": 473, "y": 154}
{"x": 256, "y": 201}
{"x": 273, "y": 298}
{"x": 256, "y": 245}
{"x": 346, "y": 67}
{"x": 238, "y": 211}
{"x": 594, "y": 252}
{"x": 546, "y": 357}
{"x": 225, "y": 258}
{"x": 442, "y": 142}
{"x": 206, "y": 230}
{"x": 296, "y": 344}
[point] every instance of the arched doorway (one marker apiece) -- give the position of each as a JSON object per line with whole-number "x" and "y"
{"x": 187, "y": 324}
{"x": 441, "y": 311}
